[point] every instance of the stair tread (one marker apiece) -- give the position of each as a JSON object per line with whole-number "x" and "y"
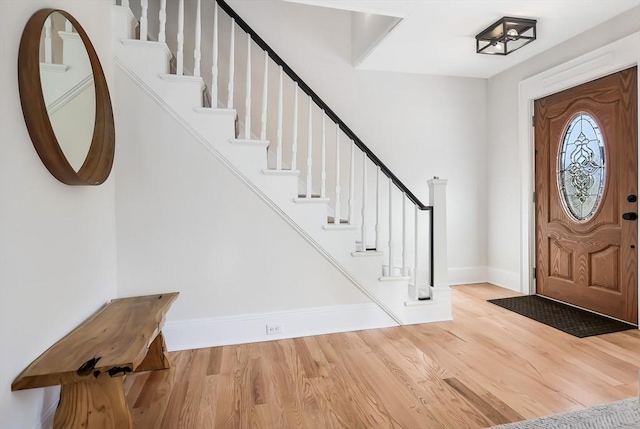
{"x": 367, "y": 253}
{"x": 339, "y": 227}
{"x": 215, "y": 111}
{"x": 316, "y": 199}
{"x": 282, "y": 172}
{"x": 393, "y": 278}
{"x": 182, "y": 78}
{"x": 250, "y": 142}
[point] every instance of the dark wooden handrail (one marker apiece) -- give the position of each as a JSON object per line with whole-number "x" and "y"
{"x": 330, "y": 113}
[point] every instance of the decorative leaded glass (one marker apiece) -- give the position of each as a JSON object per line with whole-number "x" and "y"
{"x": 581, "y": 167}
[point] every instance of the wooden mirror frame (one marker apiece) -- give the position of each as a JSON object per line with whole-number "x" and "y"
{"x": 97, "y": 165}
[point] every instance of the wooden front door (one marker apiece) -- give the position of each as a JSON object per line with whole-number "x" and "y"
{"x": 586, "y": 168}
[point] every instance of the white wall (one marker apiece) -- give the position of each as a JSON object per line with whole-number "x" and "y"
{"x": 57, "y": 246}
{"x": 419, "y": 126}
{"x": 186, "y": 223}
{"x": 504, "y": 187}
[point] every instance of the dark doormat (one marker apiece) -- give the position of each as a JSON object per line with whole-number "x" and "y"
{"x": 574, "y": 321}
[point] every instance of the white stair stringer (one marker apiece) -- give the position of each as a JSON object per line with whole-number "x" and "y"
{"x": 215, "y": 130}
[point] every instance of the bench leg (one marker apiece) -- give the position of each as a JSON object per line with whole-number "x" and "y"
{"x": 98, "y": 403}
{"x": 157, "y": 357}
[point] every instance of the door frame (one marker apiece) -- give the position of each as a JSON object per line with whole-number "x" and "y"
{"x": 614, "y": 57}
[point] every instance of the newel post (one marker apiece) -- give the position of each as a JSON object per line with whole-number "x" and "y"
{"x": 438, "y": 200}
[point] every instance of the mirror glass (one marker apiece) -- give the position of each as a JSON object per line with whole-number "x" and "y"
{"x": 67, "y": 87}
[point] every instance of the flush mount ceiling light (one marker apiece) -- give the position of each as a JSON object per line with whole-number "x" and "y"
{"x": 506, "y": 35}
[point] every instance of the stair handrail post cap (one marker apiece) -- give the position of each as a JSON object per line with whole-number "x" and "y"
{"x": 437, "y": 181}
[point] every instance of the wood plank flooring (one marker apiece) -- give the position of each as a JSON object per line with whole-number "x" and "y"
{"x": 486, "y": 367}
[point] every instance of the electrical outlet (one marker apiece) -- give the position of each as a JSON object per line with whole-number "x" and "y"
{"x": 275, "y": 329}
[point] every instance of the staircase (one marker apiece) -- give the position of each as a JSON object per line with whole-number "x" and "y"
{"x": 292, "y": 151}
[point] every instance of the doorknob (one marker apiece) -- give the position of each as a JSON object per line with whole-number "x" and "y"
{"x": 630, "y": 216}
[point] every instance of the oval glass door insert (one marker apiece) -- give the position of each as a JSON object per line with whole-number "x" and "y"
{"x": 582, "y": 167}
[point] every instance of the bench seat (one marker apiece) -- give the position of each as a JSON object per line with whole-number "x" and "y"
{"x": 90, "y": 362}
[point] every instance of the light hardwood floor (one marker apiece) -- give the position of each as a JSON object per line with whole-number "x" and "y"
{"x": 488, "y": 366}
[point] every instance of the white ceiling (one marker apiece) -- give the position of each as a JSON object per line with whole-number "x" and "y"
{"x": 438, "y": 36}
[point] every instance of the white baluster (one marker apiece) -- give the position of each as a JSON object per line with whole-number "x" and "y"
{"x": 323, "y": 173}
{"x": 162, "y": 19}
{"x": 352, "y": 183}
{"x": 416, "y": 292}
{"x": 144, "y": 22}
{"x": 48, "y": 50}
{"x": 197, "y": 54}
{"x": 232, "y": 55}
{"x": 391, "y": 243}
{"x": 68, "y": 26}
{"x": 265, "y": 87}
{"x": 214, "y": 65}
{"x": 279, "y": 129}
{"x": 162, "y": 22}
{"x": 232, "y": 50}
{"x": 310, "y": 148}
{"x": 405, "y": 238}
{"x": 247, "y": 99}
{"x": 378, "y": 228}
{"x": 125, "y": 3}
{"x": 294, "y": 144}
{"x": 364, "y": 202}
{"x": 180, "y": 51}
{"x": 336, "y": 218}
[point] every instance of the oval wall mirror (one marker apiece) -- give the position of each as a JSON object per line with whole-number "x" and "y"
{"x": 65, "y": 99}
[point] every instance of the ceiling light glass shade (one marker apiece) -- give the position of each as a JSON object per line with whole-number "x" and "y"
{"x": 506, "y": 35}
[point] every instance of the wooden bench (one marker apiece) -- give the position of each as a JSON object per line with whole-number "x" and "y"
{"x": 90, "y": 362}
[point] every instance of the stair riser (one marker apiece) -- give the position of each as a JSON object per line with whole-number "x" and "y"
{"x": 250, "y": 159}
{"x": 397, "y": 269}
{"x": 219, "y": 127}
{"x": 145, "y": 61}
{"x": 282, "y": 185}
{"x": 124, "y": 23}
{"x": 438, "y": 308}
{"x": 181, "y": 95}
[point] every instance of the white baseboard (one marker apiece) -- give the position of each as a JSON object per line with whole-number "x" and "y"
{"x": 505, "y": 279}
{"x": 467, "y": 275}
{"x": 251, "y": 328}
{"x": 471, "y": 275}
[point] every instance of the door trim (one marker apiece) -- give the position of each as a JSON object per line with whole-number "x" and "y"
{"x": 619, "y": 55}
